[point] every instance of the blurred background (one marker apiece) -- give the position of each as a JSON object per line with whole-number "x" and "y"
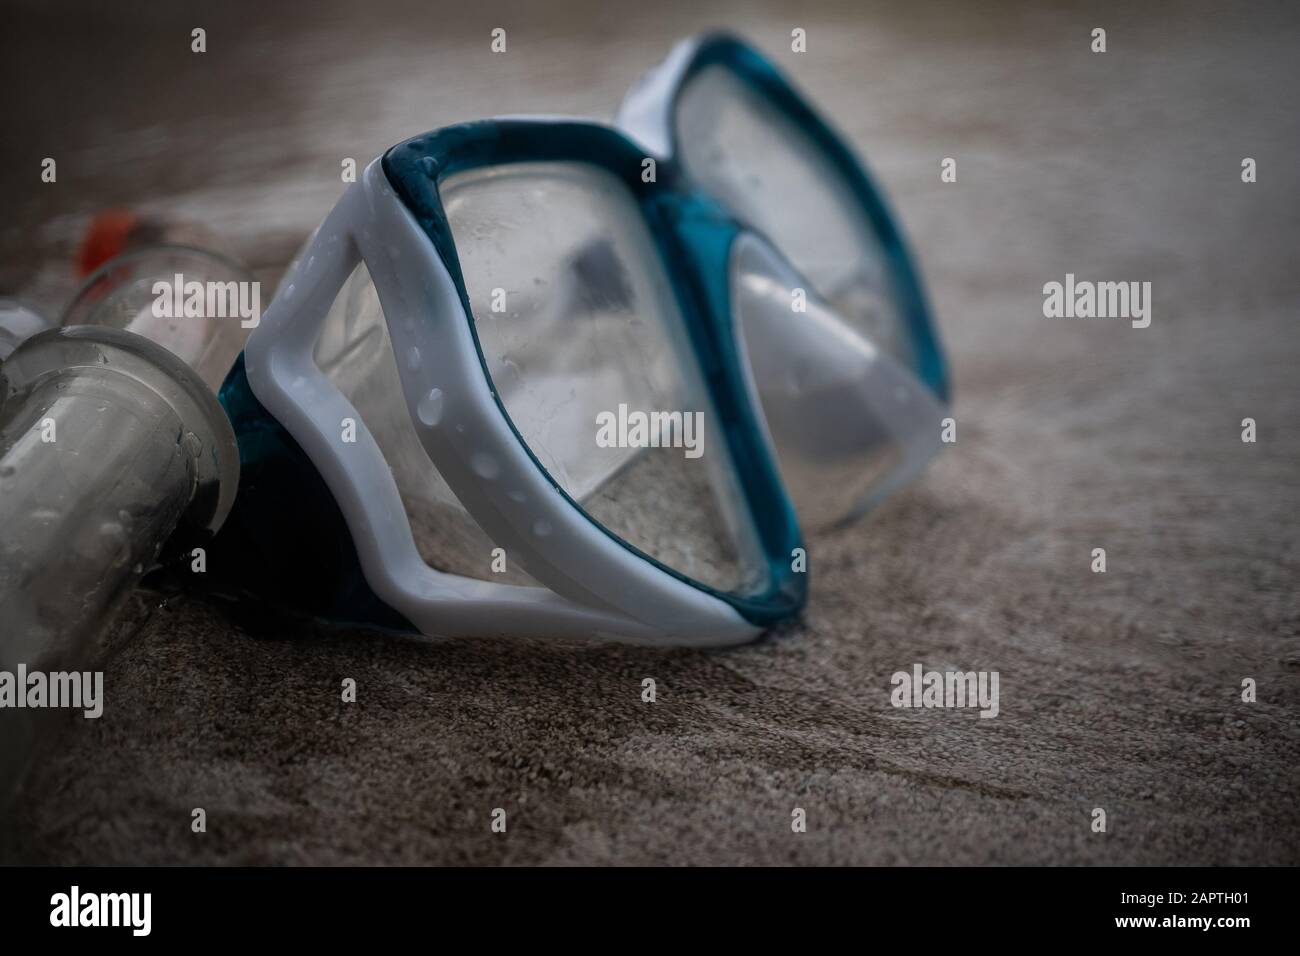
{"x": 1119, "y": 690}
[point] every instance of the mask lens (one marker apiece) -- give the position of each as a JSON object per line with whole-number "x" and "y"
{"x": 749, "y": 154}
{"x": 586, "y": 349}
{"x": 849, "y": 423}
{"x": 356, "y": 355}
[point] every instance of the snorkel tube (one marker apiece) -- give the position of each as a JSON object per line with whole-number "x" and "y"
{"x": 108, "y": 443}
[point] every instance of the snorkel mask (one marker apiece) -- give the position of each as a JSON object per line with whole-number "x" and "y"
{"x": 552, "y": 378}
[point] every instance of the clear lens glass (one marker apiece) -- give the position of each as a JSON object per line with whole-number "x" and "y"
{"x": 356, "y": 354}
{"x": 584, "y": 343}
{"x": 773, "y": 176}
{"x": 849, "y": 423}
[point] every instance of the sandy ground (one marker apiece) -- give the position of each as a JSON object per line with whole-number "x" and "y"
{"x": 1118, "y": 690}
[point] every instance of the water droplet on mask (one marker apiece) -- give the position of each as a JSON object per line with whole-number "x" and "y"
{"x": 430, "y": 407}
{"x": 413, "y": 358}
{"x": 484, "y": 465}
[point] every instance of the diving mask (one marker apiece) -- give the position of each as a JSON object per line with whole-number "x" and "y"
{"x": 562, "y": 379}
